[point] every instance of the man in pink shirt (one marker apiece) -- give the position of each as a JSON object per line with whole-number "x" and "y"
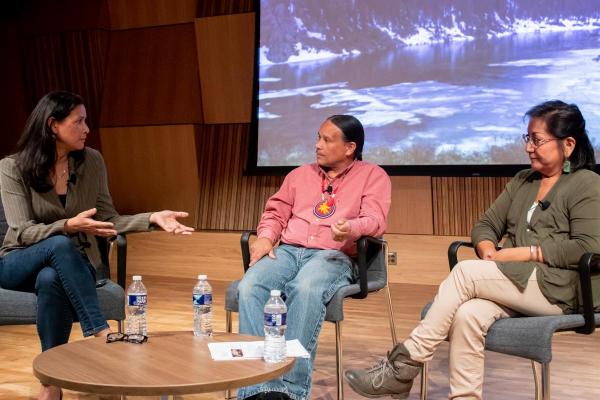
{"x": 316, "y": 216}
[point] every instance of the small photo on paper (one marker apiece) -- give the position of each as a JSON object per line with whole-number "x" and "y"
{"x": 237, "y": 353}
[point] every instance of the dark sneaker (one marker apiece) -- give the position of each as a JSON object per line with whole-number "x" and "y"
{"x": 275, "y": 396}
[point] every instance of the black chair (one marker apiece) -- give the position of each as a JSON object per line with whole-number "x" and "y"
{"x": 19, "y": 308}
{"x": 531, "y": 337}
{"x": 372, "y": 271}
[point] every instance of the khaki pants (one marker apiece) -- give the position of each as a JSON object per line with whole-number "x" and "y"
{"x": 469, "y": 300}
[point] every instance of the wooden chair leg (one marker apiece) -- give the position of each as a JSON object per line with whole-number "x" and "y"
{"x": 541, "y": 378}
{"x": 339, "y": 360}
{"x": 424, "y": 378}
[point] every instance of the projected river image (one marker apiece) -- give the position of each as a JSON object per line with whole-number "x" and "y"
{"x": 445, "y": 103}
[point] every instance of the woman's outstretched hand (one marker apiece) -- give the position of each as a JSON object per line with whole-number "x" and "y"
{"x": 83, "y": 222}
{"x": 167, "y": 220}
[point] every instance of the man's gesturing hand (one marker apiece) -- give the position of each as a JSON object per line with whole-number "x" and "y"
{"x": 340, "y": 230}
{"x": 260, "y": 248}
{"x": 83, "y": 222}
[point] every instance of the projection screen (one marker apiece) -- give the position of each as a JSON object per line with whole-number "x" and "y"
{"x": 439, "y": 85}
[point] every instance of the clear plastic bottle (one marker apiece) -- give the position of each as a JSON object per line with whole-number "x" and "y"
{"x": 137, "y": 302}
{"x": 275, "y": 324}
{"x": 202, "y": 300}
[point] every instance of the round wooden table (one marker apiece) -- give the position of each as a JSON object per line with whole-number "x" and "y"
{"x": 172, "y": 363}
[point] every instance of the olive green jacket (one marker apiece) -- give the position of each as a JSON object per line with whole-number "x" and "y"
{"x": 34, "y": 216}
{"x": 565, "y": 230}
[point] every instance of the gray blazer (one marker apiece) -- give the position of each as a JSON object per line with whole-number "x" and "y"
{"x": 34, "y": 216}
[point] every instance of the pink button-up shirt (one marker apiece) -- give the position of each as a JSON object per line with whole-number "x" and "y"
{"x": 362, "y": 196}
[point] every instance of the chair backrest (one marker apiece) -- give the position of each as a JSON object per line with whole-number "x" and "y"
{"x": 376, "y": 263}
{"x": 375, "y": 276}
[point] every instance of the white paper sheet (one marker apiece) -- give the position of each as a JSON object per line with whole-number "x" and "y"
{"x": 251, "y": 350}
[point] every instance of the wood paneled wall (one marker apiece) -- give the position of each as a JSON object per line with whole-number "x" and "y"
{"x": 226, "y": 75}
{"x": 211, "y": 8}
{"x": 458, "y": 202}
{"x": 168, "y": 88}
{"x": 152, "y": 168}
{"x": 12, "y": 99}
{"x": 228, "y": 199}
{"x": 152, "y": 77}
{"x": 73, "y": 60}
{"x": 411, "y": 205}
{"x": 143, "y": 13}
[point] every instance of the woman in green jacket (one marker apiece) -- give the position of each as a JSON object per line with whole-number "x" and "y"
{"x": 550, "y": 216}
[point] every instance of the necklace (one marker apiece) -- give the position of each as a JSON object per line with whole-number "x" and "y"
{"x": 326, "y": 207}
{"x": 61, "y": 176}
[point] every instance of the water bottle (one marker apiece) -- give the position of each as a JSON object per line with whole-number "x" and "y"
{"x": 275, "y": 323}
{"x": 202, "y": 300}
{"x": 137, "y": 301}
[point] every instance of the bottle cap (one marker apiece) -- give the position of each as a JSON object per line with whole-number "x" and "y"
{"x": 137, "y": 277}
{"x": 201, "y": 277}
{"x": 275, "y": 292}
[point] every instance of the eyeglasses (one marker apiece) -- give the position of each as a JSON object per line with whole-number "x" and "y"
{"x": 535, "y": 141}
{"x": 121, "y": 337}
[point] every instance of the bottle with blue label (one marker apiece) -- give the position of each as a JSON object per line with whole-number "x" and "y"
{"x": 275, "y": 315}
{"x": 137, "y": 302}
{"x": 202, "y": 300}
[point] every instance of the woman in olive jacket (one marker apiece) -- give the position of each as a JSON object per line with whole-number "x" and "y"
{"x": 550, "y": 215}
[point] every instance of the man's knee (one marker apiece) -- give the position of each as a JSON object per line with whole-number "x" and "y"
{"x": 250, "y": 280}
{"x": 308, "y": 290}
{"x": 245, "y": 287}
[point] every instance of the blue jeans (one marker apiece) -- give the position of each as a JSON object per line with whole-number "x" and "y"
{"x": 309, "y": 278}
{"x": 64, "y": 282}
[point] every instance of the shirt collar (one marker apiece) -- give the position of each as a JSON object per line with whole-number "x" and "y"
{"x": 323, "y": 173}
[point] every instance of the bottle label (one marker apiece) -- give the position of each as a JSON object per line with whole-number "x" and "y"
{"x": 202, "y": 299}
{"x": 137, "y": 299}
{"x": 275, "y": 319}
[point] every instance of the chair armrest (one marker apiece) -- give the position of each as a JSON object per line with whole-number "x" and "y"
{"x": 121, "y": 242}
{"x": 362, "y": 246}
{"x": 453, "y": 251}
{"x": 589, "y": 264}
{"x": 245, "y": 244}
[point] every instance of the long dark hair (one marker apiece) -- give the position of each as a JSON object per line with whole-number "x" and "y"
{"x": 352, "y": 130}
{"x": 36, "y": 148}
{"x": 564, "y": 120}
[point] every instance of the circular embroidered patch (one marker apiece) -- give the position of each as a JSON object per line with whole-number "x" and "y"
{"x": 323, "y": 209}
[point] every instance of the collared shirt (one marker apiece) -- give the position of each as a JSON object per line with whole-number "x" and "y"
{"x": 362, "y": 196}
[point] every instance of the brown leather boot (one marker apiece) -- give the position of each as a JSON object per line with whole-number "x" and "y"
{"x": 392, "y": 376}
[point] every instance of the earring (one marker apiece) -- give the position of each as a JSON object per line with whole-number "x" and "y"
{"x": 567, "y": 166}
